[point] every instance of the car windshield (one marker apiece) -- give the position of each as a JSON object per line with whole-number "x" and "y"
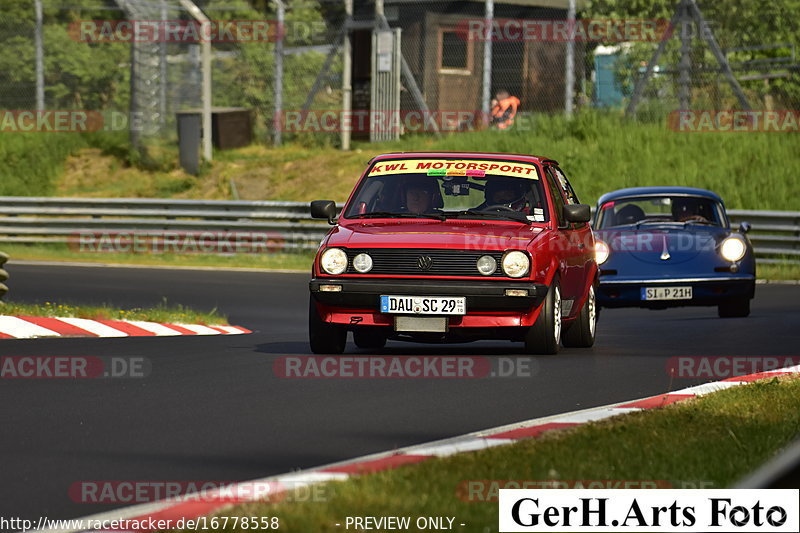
{"x": 673, "y": 209}
{"x": 437, "y": 188}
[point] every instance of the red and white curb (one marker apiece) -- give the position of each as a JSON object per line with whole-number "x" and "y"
{"x": 218, "y": 499}
{"x": 31, "y": 327}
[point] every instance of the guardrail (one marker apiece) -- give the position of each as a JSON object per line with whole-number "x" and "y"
{"x": 223, "y": 225}
{"x": 258, "y": 225}
{"x": 775, "y": 234}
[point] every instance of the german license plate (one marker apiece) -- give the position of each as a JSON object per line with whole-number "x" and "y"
{"x": 424, "y": 305}
{"x": 666, "y": 293}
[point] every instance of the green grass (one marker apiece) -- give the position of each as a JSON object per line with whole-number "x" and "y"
{"x": 34, "y": 164}
{"x": 779, "y": 271}
{"x": 602, "y": 152}
{"x": 275, "y": 261}
{"x": 163, "y": 312}
{"x": 713, "y": 440}
{"x": 30, "y": 163}
{"x": 599, "y": 151}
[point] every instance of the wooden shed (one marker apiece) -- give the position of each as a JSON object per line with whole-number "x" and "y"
{"x": 446, "y": 58}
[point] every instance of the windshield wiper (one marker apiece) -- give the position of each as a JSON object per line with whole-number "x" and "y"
{"x": 388, "y": 214}
{"x": 641, "y": 222}
{"x": 682, "y": 223}
{"x": 514, "y": 216}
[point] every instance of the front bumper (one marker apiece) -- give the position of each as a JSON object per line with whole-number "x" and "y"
{"x": 482, "y": 296}
{"x": 705, "y": 291}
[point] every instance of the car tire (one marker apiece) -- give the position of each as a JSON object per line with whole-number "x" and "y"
{"x": 582, "y": 331}
{"x": 323, "y": 337}
{"x": 737, "y": 308}
{"x": 544, "y": 337}
{"x": 369, "y": 337}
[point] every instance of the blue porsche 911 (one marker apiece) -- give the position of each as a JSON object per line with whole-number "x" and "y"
{"x": 660, "y": 247}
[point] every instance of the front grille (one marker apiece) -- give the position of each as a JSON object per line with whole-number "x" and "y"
{"x": 405, "y": 262}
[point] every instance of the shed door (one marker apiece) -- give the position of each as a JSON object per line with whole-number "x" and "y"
{"x": 458, "y": 79}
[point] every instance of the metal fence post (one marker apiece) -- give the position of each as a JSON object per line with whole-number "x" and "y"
{"x": 276, "y": 119}
{"x": 487, "y": 60}
{"x": 347, "y": 77}
{"x": 39, "y": 57}
{"x": 569, "y": 77}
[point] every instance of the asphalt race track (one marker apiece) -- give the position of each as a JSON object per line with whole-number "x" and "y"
{"x": 213, "y": 409}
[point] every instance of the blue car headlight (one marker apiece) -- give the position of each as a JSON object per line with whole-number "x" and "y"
{"x": 601, "y": 252}
{"x": 732, "y": 249}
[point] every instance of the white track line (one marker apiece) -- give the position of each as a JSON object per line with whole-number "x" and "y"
{"x": 154, "y": 327}
{"x": 592, "y": 416}
{"x": 469, "y": 445}
{"x": 233, "y": 330}
{"x": 94, "y": 326}
{"x": 200, "y": 330}
{"x": 22, "y": 329}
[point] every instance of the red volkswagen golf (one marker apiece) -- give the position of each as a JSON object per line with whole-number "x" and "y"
{"x": 454, "y": 247}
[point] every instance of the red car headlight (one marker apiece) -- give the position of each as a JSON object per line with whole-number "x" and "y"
{"x": 516, "y": 264}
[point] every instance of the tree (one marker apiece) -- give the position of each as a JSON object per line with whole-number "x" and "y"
{"x": 735, "y": 23}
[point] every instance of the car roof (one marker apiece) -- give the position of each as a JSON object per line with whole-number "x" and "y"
{"x": 471, "y": 155}
{"x": 654, "y": 191}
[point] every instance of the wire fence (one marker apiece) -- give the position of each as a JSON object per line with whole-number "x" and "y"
{"x": 138, "y": 63}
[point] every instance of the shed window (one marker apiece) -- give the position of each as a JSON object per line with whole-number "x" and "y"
{"x": 454, "y": 50}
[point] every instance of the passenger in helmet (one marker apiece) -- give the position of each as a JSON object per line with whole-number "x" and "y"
{"x": 629, "y": 214}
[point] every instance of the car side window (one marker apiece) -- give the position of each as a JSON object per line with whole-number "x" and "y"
{"x": 569, "y": 192}
{"x": 558, "y": 200}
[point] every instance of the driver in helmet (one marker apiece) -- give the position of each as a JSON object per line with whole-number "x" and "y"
{"x": 420, "y": 196}
{"x": 504, "y": 194}
{"x": 689, "y": 210}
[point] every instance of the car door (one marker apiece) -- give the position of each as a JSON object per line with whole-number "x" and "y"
{"x": 576, "y": 238}
{"x": 582, "y": 232}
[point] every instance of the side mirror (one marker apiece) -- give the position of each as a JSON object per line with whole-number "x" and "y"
{"x": 744, "y": 227}
{"x": 578, "y": 213}
{"x": 324, "y": 209}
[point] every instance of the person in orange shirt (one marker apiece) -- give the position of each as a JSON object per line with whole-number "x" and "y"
{"x": 504, "y": 109}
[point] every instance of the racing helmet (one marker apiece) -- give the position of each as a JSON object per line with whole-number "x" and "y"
{"x": 516, "y": 196}
{"x": 428, "y": 184}
{"x": 687, "y": 207}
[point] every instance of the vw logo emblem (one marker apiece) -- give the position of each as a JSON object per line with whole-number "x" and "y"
{"x": 424, "y": 262}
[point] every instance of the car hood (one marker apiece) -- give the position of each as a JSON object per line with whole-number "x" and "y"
{"x": 453, "y": 234}
{"x": 663, "y": 245}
